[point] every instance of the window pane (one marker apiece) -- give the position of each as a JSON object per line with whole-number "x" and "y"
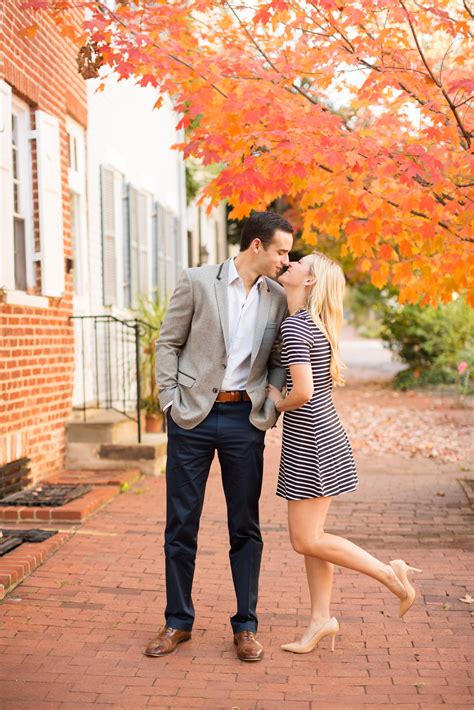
{"x": 75, "y": 208}
{"x": 15, "y": 163}
{"x": 22, "y": 193}
{"x": 74, "y": 160}
{"x": 20, "y": 253}
{"x": 16, "y": 198}
{"x": 14, "y": 129}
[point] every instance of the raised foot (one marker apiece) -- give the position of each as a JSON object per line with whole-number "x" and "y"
{"x": 401, "y": 570}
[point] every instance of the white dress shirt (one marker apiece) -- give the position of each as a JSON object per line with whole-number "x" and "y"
{"x": 242, "y": 314}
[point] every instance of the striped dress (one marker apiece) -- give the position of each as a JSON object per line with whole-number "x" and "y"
{"x": 316, "y": 458}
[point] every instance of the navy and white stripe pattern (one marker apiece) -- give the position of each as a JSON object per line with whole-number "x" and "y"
{"x": 316, "y": 458}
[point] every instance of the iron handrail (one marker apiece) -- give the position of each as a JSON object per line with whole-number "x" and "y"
{"x": 137, "y": 327}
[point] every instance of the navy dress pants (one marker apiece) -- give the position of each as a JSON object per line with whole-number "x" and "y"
{"x": 239, "y": 446}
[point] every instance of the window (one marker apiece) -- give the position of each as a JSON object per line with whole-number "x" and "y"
{"x": 17, "y": 244}
{"x": 22, "y": 195}
{"x": 76, "y": 179}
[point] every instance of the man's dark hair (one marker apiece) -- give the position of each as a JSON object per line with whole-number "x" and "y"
{"x": 263, "y": 225}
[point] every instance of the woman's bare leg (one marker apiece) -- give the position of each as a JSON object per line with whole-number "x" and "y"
{"x": 306, "y": 520}
{"x": 319, "y": 574}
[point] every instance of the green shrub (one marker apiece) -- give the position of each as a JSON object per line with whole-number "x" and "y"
{"x": 431, "y": 341}
{"x": 151, "y": 313}
{"x": 365, "y": 306}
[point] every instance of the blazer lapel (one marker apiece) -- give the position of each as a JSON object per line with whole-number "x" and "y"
{"x": 262, "y": 319}
{"x": 220, "y": 286}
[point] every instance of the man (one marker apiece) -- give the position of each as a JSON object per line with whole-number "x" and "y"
{"x": 214, "y": 358}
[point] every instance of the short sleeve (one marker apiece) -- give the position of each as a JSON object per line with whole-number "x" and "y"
{"x": 297, "y": 341}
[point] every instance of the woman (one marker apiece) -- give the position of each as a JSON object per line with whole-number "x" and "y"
{"x": 317, "y": 462}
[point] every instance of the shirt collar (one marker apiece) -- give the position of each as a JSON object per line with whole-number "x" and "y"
{"x": 234, "y": 274}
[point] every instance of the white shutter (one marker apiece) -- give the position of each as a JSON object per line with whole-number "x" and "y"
{"x": 126, "y": 248}
{"x": 50, "y": 204}
{"x": 178, "y": 249}
{"x": 154, "y": 251}
{"x": 161, "y": 252}
{"x": 170, "y": 251}
{"x": 142, "y": 229}
{"x": 109, "y": 258}
{"x": 134, "y": 250}
{"x": 7, "y": 263}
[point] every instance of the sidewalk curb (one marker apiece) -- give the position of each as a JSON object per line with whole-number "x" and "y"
{"x": 74, "y": 512}
{"x": 20, "y": 563}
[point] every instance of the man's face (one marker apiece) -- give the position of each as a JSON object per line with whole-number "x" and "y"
{"x": 272, "y": 260}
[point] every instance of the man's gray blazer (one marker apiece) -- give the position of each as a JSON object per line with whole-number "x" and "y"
{"x": 191, "y": 352}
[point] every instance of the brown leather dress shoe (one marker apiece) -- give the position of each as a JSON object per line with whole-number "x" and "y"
{"x": 166, "y": 641}
{"x": 248, "y": 648}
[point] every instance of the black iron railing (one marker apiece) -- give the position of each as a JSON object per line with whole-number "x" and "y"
{"x": 113, "y": 372}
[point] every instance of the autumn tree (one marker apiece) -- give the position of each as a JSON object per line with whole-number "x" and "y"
{"x": 359, "y": 111}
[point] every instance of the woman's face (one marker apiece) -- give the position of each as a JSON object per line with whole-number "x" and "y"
{"x": 298, "y": 273}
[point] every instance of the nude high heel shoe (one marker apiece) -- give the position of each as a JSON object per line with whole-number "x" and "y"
{"x": 327, "y": 628}
{"x": 401, "y": 570}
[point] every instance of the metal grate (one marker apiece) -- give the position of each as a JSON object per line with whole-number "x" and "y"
{"x": 46, "y": 495}
{"x": 9, "y": 539}
{"x": 14, "y": 476}
{"x": 9, "y": 543}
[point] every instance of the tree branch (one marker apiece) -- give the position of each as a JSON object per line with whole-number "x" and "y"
{"x": 133, "y": 33}
{"x": 465, "y": 134}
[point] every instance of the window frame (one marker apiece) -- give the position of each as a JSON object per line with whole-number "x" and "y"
{"x": 22, "y": 111}
{"x": 77, "y": 186}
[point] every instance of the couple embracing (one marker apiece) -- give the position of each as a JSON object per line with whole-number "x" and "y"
{"x": 237, "y": 349}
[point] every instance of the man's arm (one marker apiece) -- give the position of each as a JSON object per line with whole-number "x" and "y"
{"x": 173, "y": 335}
{"x": 276, "y": 371}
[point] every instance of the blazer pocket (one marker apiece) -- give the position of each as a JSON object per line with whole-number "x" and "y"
{"x": 185, "y": 380}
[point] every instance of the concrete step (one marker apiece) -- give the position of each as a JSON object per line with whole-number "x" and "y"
{"x": 102, "y": 426}
{"x": 149, "y": 456}
{"x": 95, "y": 477}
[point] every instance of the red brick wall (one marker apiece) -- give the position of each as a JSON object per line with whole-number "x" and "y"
{"x": 37, "y": 344}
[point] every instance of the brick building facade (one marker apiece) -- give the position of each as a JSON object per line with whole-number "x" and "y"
{"x": 40, "y": 91}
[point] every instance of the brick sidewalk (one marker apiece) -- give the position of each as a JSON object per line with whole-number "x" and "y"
{"x": 73, "y": 634}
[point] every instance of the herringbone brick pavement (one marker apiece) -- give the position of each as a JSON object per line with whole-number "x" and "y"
{"x": 72, "y": 635}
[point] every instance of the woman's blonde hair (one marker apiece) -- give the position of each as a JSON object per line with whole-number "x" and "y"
{"x": 325, "y": 305}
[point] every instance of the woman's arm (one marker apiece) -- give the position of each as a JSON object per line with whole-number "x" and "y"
{"x": 301, "y": 391}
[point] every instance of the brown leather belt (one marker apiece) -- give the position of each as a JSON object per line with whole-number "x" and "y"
{"x": 233, "y": 396}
